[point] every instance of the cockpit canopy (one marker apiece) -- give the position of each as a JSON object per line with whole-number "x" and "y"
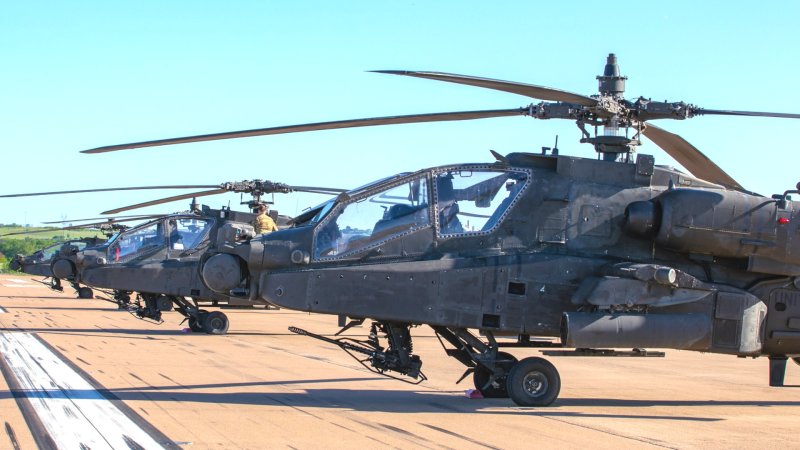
{"x": 456, "y": 201}
{"x": 175, "y": 233}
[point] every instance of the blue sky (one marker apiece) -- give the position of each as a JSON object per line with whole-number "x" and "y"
{"x": 78, "y": 75}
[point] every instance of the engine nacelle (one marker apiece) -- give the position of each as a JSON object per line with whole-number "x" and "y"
{"x": 719, "y": 223}
{"x": 64, "y": 269}
{"x": 222, "y": 272}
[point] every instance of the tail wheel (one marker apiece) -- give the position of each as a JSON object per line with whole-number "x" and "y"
{"x": 498, "y": 387}
{"x": 85, "y": 292}
{"x": 533, "y": 382}
{"x": 216, "y": 323}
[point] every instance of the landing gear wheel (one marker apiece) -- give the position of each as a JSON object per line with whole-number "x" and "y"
{"x": 164, "y": 303}
{"x": 85, "y": 292}
{"x": 497, "y": 389}
{"x": 533, "y": 382}
{"x": 216, "y": 323}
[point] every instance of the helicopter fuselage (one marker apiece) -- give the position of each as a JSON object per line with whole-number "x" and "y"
{"x": 598, "y": 253}
{"x": 150, "y": 258}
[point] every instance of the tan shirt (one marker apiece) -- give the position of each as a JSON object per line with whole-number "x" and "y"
{"x": 264, "y": 224}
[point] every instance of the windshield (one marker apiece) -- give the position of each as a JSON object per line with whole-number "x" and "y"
{"x": 186, "y": 233}
{"x": 475, "y": 201}
{"x": 137, "y": 242}
{"x": 48, "y": 252}
{"x": 376, "y": 182}
{"x": 326, "y": 207}
{"x": 367, "y": 222}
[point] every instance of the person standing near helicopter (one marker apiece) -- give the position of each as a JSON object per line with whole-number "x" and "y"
{"x": 263, "y": 223}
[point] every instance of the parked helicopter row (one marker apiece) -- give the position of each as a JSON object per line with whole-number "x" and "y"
{"x": 590, "y": 254}
{"x": 39, "y": 263}
{"x": 159, "y": 259}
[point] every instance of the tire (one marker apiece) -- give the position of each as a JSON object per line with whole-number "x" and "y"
{"x": 498, "y": 388}
{"x": 533, "y": 382}
{"x": 216, "y": 323}
{"x": 85, "y": 292}
{"x": 164, "y": 303}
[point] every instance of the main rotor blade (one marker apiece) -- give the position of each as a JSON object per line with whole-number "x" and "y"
{"x": 30, "y": 232}
{"x": 528, "y": 90}
{"x": 690, "y": 157}
{"x": 95, "y": 225}
{"x": 166, "y": 200}
{"x": 318, "y": 190}
{"x": 413, "y": 118}
{"x": 723, "y": 112}
{"x": 110, "y": 219}
{"x": 53, "y": 229}
{"x": 79, "y": 191}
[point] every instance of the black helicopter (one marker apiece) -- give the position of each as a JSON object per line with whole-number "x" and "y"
{"x": 602, "y": 254}
{"x": 39, "y": 263}
{"x": 159, "y": 260}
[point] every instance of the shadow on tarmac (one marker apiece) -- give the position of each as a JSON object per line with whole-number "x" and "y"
{"x": 371, "y": 400}
{"x": 134, "y": 332}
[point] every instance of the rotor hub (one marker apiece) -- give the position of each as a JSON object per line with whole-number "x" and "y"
{"x": 611, "y": 82}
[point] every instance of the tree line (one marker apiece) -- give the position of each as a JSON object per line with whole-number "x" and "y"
{"x": 11, "y": 247}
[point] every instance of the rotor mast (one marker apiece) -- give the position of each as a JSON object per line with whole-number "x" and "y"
{"x": 611, "y": 102}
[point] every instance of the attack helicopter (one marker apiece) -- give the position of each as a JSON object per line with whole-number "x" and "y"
{"x": 558, "y": 252}
{"x": 159, "y": 259}
{"x": 40, "y": 261}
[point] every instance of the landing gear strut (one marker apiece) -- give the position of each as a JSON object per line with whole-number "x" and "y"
{"x": 492, "y": 386}
{"x": 200, "y": 320}
{"x": 530, "y": 382}
{"x": 150, "y": 308}
{"x": 55, "y": 284}
{"x": 397, "y": 356}
{"x": 122, "y": 298}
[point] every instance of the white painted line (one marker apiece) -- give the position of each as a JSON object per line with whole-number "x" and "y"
{"x": 73, "y": 412}
{"x": 18, "y": 280}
